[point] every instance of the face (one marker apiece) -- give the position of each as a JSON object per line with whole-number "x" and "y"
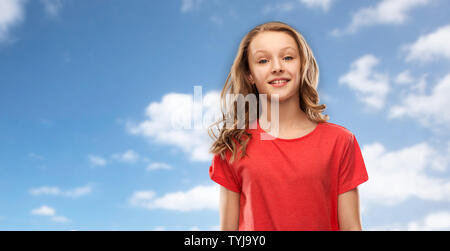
{"x": 275, "y": 56}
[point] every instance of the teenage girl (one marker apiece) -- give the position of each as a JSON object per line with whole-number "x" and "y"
{"x": 305, "y": 177}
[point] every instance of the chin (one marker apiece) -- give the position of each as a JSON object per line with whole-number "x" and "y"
{"x": 283, "y": 95}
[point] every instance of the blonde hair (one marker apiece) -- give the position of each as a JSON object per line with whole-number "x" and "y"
{"x": 234, "y": 139}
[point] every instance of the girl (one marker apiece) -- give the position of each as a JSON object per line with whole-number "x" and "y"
{"x": 306, "y": 177}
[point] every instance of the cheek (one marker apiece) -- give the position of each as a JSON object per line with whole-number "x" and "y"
{"x": 293, "y": 69}
{"x": 260, "y": 75}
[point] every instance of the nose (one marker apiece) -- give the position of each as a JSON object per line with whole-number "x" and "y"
{"x": 277, "y": 66}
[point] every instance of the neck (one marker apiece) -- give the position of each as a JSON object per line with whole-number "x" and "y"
{"x": 290, "y": 116}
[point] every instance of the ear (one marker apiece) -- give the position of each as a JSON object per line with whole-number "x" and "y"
{"x": 250, "y": 78}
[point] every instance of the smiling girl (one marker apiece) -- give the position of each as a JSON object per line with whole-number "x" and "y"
{"x": 306, "y": 176}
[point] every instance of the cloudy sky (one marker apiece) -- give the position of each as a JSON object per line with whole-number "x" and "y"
{"x": 97, "y": 101}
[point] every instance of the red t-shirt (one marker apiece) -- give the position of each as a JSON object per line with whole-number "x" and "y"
{"x": 293, "y": 184}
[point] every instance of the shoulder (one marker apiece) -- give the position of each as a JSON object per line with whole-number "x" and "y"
{"x": 336, "y": 131}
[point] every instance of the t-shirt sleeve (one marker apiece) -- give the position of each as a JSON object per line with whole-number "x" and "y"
{"x": 352, "y": 170}
{"x": 222, "y": 173}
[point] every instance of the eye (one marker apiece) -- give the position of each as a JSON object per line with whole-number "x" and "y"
{"x": 263, "y": 61}
{"x": 288, "y": 58}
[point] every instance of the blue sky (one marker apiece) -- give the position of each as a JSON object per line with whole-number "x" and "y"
{"x": 89, "y": 89}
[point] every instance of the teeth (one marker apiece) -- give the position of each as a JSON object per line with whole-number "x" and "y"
{"x": 278, "y": 81}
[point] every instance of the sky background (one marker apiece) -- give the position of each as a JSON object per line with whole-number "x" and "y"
{"x": 89, "y": 91}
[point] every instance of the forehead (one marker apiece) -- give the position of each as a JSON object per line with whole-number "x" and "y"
{"x": 272, "y": 41}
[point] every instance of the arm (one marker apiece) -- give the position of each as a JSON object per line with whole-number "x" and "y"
{"x": 229, "y": 210}
{"x": 348, "y": 211}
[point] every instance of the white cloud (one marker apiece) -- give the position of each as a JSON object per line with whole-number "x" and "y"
{"x": 430, "y": 47}
{"x": 289, "y": 6}
{"x": 43, "y": 210}
{"x": 324, "y": 4}
{"x": 371, "y": 87}
{"x": 432, "y": 222}
{"x": 75, "y": 192}
{"x": 129, "y": 156}
{"x": 190, "y": 5}
{"x": 60, "y": 219}
{"x": 385, "y": 12}
{"x": 36, "y": 156}
{"x": 52, "y": 7}
{"x": 172, "y": 122}
{"x": 140, "y": 198}
{"x": 404, "y": 78}
{"x": 45, "y": 191}
{"x": 49, "y": 212}
{"x": 158, "y": 166}
{"x": 430, "y": 110}
{"x": 197, "y": 198}
{"x": 411, "y": 84}
{"x": 97, "y": 160}
{"x": 11, "y": 14}
{"x": 398, "y": 175}
{"x": 437, "y": 221}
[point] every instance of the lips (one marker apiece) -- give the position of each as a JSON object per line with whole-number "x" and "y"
{"x": 278, "y": 82}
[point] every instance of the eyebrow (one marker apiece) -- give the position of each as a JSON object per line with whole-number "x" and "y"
{"x": 288, "y": 47}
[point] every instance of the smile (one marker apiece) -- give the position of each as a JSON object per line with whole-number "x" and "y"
{"x": 279, "y": 83}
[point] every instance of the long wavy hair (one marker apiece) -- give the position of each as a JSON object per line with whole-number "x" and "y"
{"x": 234, "y": 139}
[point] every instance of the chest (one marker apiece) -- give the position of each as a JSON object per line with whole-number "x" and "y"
{"x": 287, "y": 165}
